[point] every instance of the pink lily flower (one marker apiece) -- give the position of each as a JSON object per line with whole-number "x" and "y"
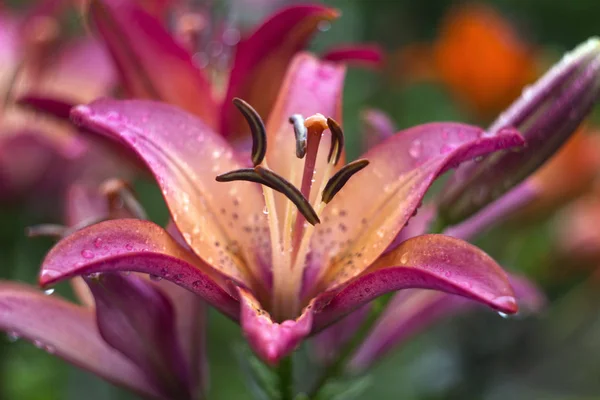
{"x": 145, "y": 52}
{"x": 144, "y": 335}
{"x": 37, "y": 151}
{"x": 291, "y": 242}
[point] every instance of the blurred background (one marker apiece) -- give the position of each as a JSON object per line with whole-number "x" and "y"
{"x": 444, "y": 60}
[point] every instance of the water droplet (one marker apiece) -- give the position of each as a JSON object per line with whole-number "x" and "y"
{"x": 478, "y": 159}
{"x": 404, "y": 259}
{"x": 98, "y": 243}
{"x": 187, "y": 237}
{"x": 266, "y": 211}
{"x": 217, "y": 153}
{"x": 129, "y": 247}
{"x": 503, "y": 315}
{"x": 125, "y": 273}
{"x": 155, "y": 278}
{"x": 324, "y": 26}
{"x": 48, "y": 292}
{"x": 13, "y": 336}
{"x": 197, "y": 284}
{"x": 415, "y": 148}
{"x": 87, "y": 254}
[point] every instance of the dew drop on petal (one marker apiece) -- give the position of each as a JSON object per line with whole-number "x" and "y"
{"x": 13, "y": 336}
{"x": 266, "y": 211}
{"x": 129, "y": 246}
{"x": 98, "y": 243}
{"x": 324, "y": 26}
{"x": 48, "y": 292}
{"x": 503, "y": 315}
{"x": 404, "y": 259}
{"x": 155, "y": 278}
{"x": 87, "y": 254}
{"x": 415, "y": 149}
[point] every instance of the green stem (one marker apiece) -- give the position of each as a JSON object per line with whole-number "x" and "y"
{"x": 336, "y": 369}
{"x": 285, "y": 373}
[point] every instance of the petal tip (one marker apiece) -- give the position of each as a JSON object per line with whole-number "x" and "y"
{"x": 506, "y": 304}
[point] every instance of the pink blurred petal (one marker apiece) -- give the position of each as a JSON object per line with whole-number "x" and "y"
{"x": 56, "y": 107}
{"x": 138, "y": 320}
{"x": 376, "y": 126}
{"x": 497, "y": 211}
{"x": 137, "y": 246}
{"x": 377, "y": 202}
{"x": 427, "y": 262}
{"x": 270, "y": 340}
{"x": 151, "y": 63}
{"x": 69, "y": 332}
{"x": 412, "y": 311}
{"x": 185, "y": 156}
{"x": 327, "y": 344}
{"x": 365, "y": 55}
{"x": 262, "y": 59}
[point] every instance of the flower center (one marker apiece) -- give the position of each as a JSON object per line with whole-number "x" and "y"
{"x": 290, "y": 247}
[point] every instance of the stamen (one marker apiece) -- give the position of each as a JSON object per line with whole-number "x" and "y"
{"x": 51, "y": 230}
{"x": 300, "y": 132}
{"x": 337, "y": 141}
{"x": 338, "y": 180}
{"x": 291, "y": 192}
{"x": 257, "y": 128}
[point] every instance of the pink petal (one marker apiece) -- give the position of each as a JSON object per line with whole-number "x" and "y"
{"x": 56, "y": 107}
{"x": 220, "y": 221}
{"x": 151, "y": 63}
{"x": 428, "y": 262}
{"x": 270, "y": 340}
{"x": 496, "y": 212}
{"x": 369, "y": 212}
{"x": 366, "y": 55}
{"x": 377, "y": 126}
{"x": 311, "y": 86}
{"x": 138, "y": 320}
{"x": 262, "y": 59}
{"x": 327, "y": 344}
{"x": 68, "y": 331}
{"x": 412, "y": 311}
{"x": 138, "y": 246}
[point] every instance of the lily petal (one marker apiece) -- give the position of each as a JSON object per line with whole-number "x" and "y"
{"x": 262, "y": 59}
{"x": 270, "y": 340}
{"x": 138, "y": 320}
{"x": 58, "y": 108}
{"x": 138, "y": 246}
{"x": 68, "y": 331}
{"x": 414, "y": 310}
{"x": 146, "y": 53}
{"x": 185, "y": 156}
{"x": 428, "y": 262}
{"x": 365, "y": 55}
{"x": 402, "y": 168}
{"x": 311, "y": 86}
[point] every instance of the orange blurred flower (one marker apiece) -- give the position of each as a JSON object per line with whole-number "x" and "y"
{"x": 479, "y": 55}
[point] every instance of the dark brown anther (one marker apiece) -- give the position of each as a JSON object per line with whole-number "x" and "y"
{"x": 257, "y": 128}
{"x": 300, "y": 132}
{"x": 338, "y": 180}
{"x": 291, "y": 192}
{"x": 337, "y": 141}
{"x": 245, "y": 174}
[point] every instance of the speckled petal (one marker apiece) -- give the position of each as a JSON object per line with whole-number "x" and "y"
{"x": 138, "y": 246}
{"x": 262, "y": 59}
{"x": 369, "y": 212}
{"x": 221, "y": 222}
{"x": 435, "y": 262}
{"x": 69, "y": 332}
{"x": 270, "y": 340}
{"x": 151, "y": 63}
{"x": 138, "y": 319}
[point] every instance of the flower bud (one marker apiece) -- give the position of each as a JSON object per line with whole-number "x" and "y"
{"x": 546, "y": 114}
